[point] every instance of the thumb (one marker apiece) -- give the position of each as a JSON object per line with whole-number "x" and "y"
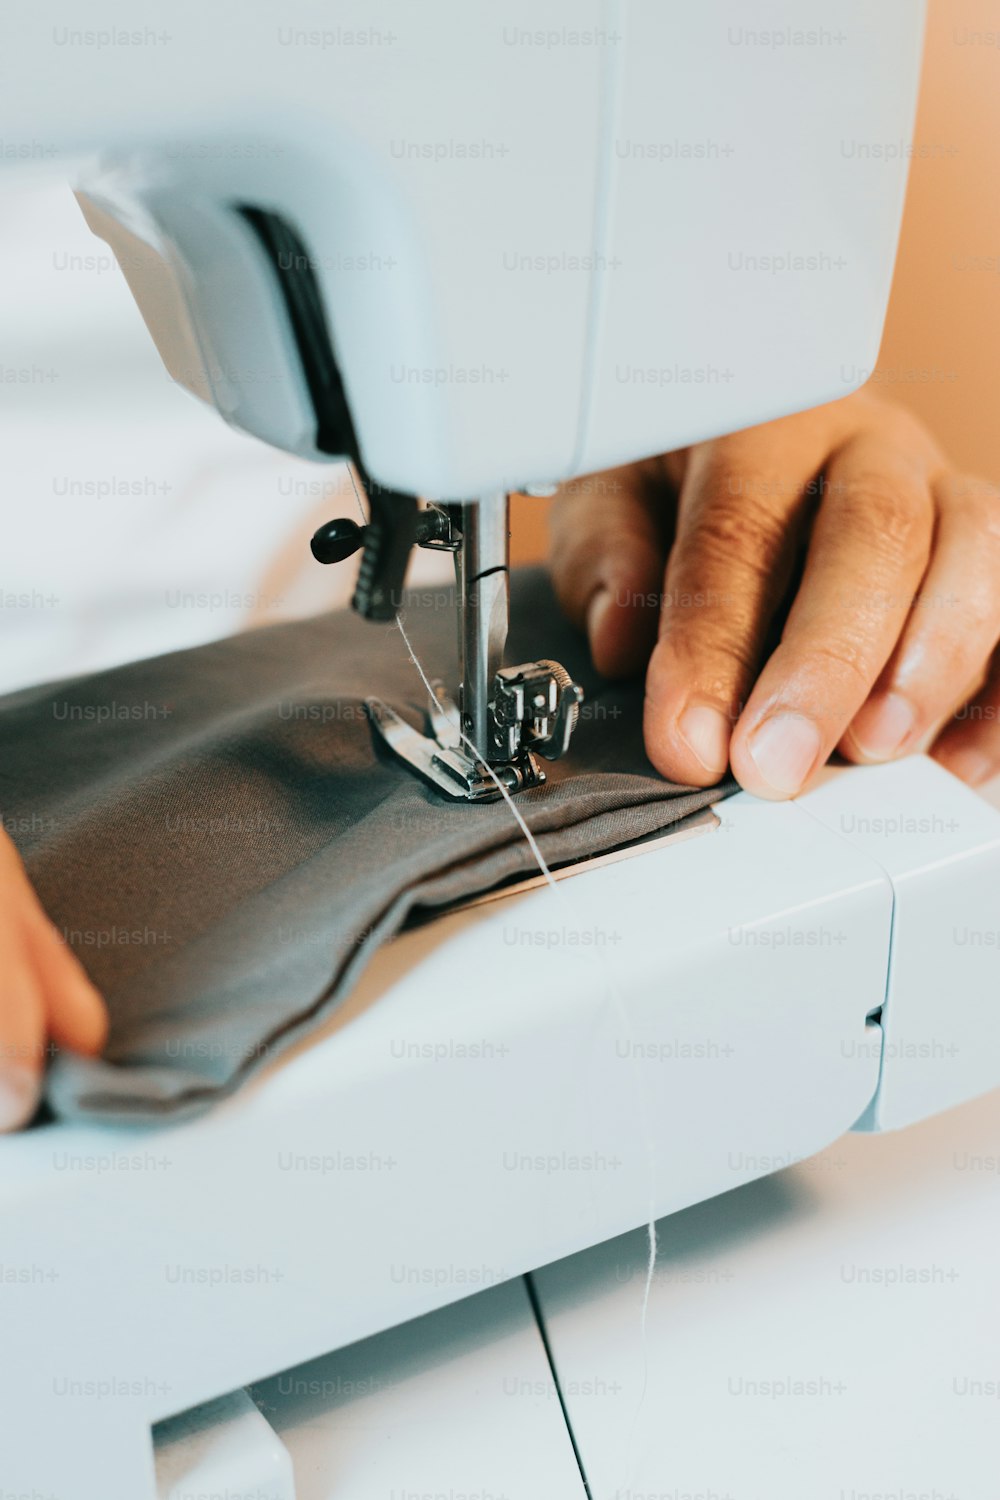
{"x": 609, "y": 541}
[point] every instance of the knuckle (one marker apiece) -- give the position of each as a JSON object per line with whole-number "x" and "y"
{"x": 955, "y": 657}
{"x": 577, "y": 559}
{"x": 977, "y": 504}
{"x": 980, "y": 618}
{"x": 569, "y": 514}
{"x": 717, "y": 652}
{"x": 571, "y": 578}
{"x": 743, "y": 537}
{"x": 887, "y": 515}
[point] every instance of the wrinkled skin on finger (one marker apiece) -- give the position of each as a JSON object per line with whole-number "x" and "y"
{"x": 823, "y": 582}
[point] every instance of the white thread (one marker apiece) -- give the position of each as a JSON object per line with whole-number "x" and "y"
{"x": 613, "y": 989}
{"x": 615, "y": 993}
{"x": 505, "y": 794}
{"x": 532, "y": 845}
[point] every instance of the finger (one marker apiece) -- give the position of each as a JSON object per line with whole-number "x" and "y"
{"x": 76, "y": 1014}
{"x": 953, "y": 626}
{"x": 868, "y": 552}
{"x": 22, "y": 1012}
{"x": 743, "y": 506}
{"x": 969, "y": 746}
{"x": 22, "y": 1030}
{"x": 608, "y": 546}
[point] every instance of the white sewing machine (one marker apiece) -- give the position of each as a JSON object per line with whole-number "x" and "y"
{"x": 479, "y": 250}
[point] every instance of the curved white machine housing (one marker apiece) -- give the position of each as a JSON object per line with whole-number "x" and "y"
{"x": 547, "y": 239}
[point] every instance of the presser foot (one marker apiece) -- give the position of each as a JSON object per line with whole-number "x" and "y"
{"x": 487, "y": 745}
{"x": 443, "y": 758}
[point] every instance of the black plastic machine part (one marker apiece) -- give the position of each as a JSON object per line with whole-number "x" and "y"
{"x": 391, "y": 528}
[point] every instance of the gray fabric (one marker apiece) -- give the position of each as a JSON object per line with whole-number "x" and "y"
{"x": 225, "y": 842}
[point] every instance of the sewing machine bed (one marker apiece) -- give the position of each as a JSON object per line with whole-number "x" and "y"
{"x": 780, "y": 1316}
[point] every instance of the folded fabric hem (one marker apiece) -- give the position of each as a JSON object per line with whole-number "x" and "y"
{"x": 114, "y": 1099}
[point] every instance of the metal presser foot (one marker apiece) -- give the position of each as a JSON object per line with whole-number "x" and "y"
{"x": 505, "y": 717}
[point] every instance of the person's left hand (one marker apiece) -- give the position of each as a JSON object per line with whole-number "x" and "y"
{"x": 681, "y": 564}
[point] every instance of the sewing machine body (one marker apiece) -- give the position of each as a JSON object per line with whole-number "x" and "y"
{"x": 530, "y": 267}
{"x": 648, "y": 222}
{"x": 697, "y": 1016}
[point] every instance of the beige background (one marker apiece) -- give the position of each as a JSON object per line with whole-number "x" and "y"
{"x": 941, "y": 351}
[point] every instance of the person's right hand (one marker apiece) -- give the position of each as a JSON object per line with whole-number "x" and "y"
{"x": 844, "y": 525}
{"x": 44, "y": 994}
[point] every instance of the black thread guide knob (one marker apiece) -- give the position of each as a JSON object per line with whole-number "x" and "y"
{"x": 385, "y": 541}
{"x": 338, "y": 540}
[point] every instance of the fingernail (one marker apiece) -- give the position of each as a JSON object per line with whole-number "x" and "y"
{"x": 883, "y": 725}
{"x": 784, "y": 749}
{"x": 970, "y": 766}
{"x": 706, "y": 731}
{"x": 19, "y": 1091}
{"x": 596, "y": 612}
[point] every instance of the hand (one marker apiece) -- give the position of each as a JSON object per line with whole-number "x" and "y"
{"x": 682, "y": 564}
{"x": 44, "y": 994}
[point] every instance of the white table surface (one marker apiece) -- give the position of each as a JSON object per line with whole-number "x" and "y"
{"x": 459, "y": 1405}
{"x": 832, "y": 1331}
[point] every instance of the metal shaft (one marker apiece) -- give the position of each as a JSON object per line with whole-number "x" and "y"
{"x": 483, "y": 586}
